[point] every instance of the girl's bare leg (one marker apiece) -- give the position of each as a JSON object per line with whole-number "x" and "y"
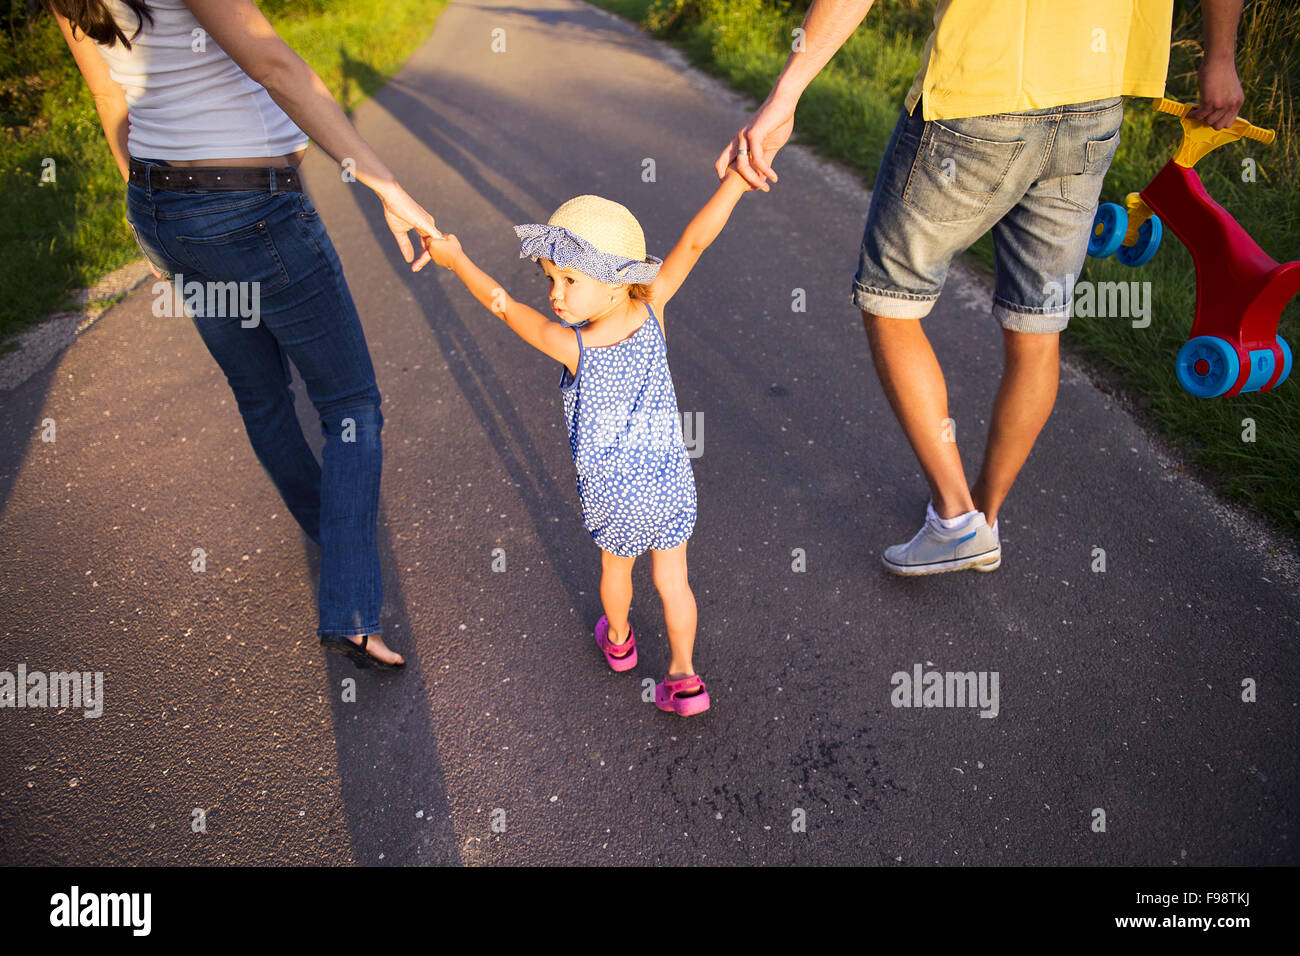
{"x": 616, "y": 594}
{"x": 669, "y": 570}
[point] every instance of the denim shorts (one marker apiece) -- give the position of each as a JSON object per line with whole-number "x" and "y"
{"x": 1032, "y": 177}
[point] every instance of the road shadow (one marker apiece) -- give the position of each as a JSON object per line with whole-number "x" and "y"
{"x": 388, "y": 762}
{"x": 24, "y": 409}
{"x": 464, "y": 154}
{"x": 608, "y": 27}
{"x": 360, "y": 79}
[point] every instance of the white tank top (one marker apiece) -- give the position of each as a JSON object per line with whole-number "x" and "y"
{"x": 186, "y": 99}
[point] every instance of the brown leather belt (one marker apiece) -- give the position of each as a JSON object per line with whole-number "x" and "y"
{"x": 273, "y": 179}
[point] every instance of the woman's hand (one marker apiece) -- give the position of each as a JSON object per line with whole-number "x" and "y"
{"x": 404, "y": 214}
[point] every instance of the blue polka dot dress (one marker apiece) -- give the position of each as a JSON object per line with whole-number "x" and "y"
{"x": 634, "y": 476}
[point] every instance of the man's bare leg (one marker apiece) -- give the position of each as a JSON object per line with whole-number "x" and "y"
{"x": 913, "y": 382}
{"x": 1025, "y": 399}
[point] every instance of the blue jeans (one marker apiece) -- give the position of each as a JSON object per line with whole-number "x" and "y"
{"x": 1032, "y": 177}
{"x": 290, "y": 302}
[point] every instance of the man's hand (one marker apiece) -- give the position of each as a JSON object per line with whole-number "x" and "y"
{"x": 1221, "y": 95}
{"x": 753, "y": 148}
{"x": 826, "y": 26}
{"x": 404, "y": 214}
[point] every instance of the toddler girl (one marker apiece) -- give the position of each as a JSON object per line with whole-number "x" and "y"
{"x": 634, "y": 476}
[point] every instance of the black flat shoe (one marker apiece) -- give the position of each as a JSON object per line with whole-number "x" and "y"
{"x": 357, "y": 653}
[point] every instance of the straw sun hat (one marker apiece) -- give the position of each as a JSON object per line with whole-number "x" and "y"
{"x": 595, "y": 236}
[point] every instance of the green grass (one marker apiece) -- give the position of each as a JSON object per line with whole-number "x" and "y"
{"x": 56, "y": 237}
{"x": 848, "y": 112}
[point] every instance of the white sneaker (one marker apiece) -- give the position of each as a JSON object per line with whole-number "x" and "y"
{"x": 935, "y": 549}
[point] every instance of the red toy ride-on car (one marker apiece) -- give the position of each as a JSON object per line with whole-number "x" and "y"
{"x": 1240, "y": 291}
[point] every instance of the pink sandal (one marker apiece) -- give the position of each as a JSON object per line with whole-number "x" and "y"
{"x": 624, "y": 661}
{"x": 678, "y": 696}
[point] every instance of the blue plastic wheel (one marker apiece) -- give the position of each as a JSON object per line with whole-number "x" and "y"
{"x": 1287, "y": 360}
{"x": 1207, "y": 366}
{"x": 1261, "y": 368}
{"x": 1108, "y": 228}
{"x": 1148, "y": 241}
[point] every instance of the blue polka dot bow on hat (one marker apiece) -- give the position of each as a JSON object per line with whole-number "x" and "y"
{"x": 570, "y": 251}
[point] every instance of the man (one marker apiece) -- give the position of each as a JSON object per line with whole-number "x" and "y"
{"x": 1010, "y": 125}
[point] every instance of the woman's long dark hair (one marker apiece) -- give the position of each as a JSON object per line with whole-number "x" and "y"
{"x": 96, "y": 21}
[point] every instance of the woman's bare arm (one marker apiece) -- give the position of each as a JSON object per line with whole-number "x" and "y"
{"x": 110, "y": 101}
{"x": 245, "y": 34}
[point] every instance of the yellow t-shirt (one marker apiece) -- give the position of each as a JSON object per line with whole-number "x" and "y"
{"x": 1003, "y": 56}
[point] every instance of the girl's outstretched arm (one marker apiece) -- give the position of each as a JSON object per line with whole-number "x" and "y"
{"x": 699, "y": 234}
{"x": 529, "y": 324}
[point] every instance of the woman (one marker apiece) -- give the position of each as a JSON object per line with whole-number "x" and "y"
{"x": 208, "y": 113}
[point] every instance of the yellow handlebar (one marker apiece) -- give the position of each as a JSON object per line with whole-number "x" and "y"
{"x": 1199, "y": 138}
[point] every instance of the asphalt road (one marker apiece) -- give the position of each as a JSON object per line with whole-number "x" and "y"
{"x": 1118, "y": 690}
